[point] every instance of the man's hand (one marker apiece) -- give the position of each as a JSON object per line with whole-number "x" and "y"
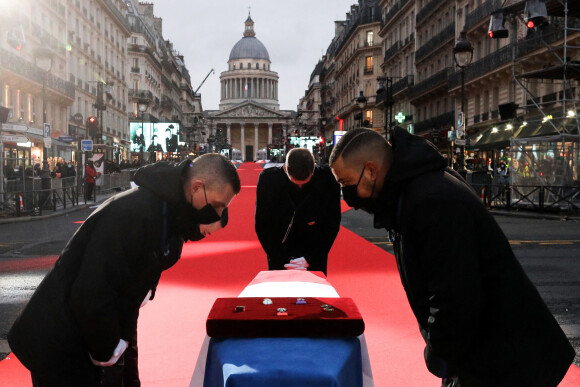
{"x": 297, "y": 264}
{"x": 121, "y": 347}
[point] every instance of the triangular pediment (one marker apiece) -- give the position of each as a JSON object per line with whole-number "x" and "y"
{"x": 249, "y": 109}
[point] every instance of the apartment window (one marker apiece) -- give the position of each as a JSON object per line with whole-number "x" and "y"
{"x": 241, "y": 66}
{"x": 369, "y": 117}
{"x": 257, "y": 66}
{"x": 370, "y": 38}
{"x": 249, "y": 66}
{"x": 369, "y": 65}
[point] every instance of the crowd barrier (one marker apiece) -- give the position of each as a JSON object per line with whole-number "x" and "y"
{"x": 34, "y": 195}
{"x": 538, "y": 198}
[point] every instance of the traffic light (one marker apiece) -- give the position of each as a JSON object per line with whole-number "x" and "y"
{"x": 15, "y": 38}
{"x": 496, "y": 26}
{"x": 535, "y": 13}
{"x": 93, "y": 125}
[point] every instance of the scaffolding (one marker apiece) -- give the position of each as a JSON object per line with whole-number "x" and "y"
{"x": 557, "y": 63}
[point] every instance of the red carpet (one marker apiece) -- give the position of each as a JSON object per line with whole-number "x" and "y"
{"x": 172, "y": 327}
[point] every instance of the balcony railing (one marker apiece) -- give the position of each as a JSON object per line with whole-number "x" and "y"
{"x": 392, "y": 50}
{"x": 504, "y": 55}
{"x": 433, "y": 82}
{"x": 141, "y": 94}
{"x": 394, "y": 10}
{"x": 482, "y": 12}
{"x": 435, "y": 42}
{"x": 30, "y": 71}
{"x": 441, "y": 121}
{"x": 426, "y": 10}
{"x": 118, "y": 15}
{"x": 402, "y": 84}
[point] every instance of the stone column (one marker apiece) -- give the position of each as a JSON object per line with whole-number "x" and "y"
{"x": 242, "y": 141}
{"x": 269, "y": 133}
{"x": 228, "y": 133}
{"x": 256, "y": 128}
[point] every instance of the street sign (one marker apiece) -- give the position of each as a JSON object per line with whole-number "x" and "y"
{"x": 47, "y": 142}
{"x": 460, "y": 119}
{"x": 14, "y": 127}
{"x": 460, "y": 141}
{"x": 87, "y": 145}
{"x": 67, "y": 138}
{"x": 14, "y": 138}
{"x": 46, "y": 129}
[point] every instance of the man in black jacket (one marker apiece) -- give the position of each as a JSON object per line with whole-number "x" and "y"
{"x": 297, "y": 213}
{"x": 84, "y": 313}
{"x": 483, "y": 321}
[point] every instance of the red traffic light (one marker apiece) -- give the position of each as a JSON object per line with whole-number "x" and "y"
{"x": 92, "y": 120}
{"x": 530, "y": 24}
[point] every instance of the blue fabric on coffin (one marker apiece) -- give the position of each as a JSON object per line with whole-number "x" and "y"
{"x": 284, "y": 362}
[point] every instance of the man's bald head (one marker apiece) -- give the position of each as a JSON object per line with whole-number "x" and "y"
{"x": 358, "y": 146}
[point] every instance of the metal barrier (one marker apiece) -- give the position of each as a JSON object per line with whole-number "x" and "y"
{"x": 541, "y": 198}
{"x": 114, "y": 181}
{"x": 33, "y": 195}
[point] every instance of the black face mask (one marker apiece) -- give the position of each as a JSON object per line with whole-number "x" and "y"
{"x": 350, "y": 196}
{"x": 207, "y": 214}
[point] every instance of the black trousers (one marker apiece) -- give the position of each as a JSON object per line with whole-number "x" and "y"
{"x": 89, "y": 377}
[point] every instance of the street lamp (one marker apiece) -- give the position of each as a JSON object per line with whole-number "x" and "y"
{"x": 361, "y": 102}
{"x": 43, "y": 59}
{"x": 142, "y": 105}
{"x": 463, "y": 54}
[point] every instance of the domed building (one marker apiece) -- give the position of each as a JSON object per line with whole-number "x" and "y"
{"x": 249, "y": 113}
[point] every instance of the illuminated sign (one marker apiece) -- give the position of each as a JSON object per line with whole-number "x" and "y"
{"x": 155, "y": 136}
{"x": 400, "y": 117}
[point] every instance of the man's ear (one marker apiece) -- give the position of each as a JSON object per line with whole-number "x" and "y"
{"x": 372, "y": 167}
{"x": 196, "y": 184}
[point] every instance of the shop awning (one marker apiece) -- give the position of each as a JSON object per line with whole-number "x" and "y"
{"x": 497, "y": 136}
{"x": 494, "y": 137}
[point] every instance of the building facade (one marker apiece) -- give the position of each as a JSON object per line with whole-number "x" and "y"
{"x": 84, "y": 59}
{"x": 506, "y": 91}
{"x": 249, "y": 123}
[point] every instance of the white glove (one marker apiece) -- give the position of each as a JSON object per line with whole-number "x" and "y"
{"x": 121, "y": 347}
{"x": 146, "y": 299}
{"x": 297, "y": 264}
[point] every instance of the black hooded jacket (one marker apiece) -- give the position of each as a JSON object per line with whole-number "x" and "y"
{"x": 309, "y": 217}
{"x": 91, "y": 297}
{"x": 482, "y": 318}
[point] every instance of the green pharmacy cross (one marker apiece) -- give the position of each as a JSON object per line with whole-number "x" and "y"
{"x": 400, "y": 117}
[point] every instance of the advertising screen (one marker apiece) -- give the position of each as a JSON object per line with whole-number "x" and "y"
{"x": 155, "y": 137}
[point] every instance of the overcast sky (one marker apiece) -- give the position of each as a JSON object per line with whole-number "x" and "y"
{"x": 296, "y": 33}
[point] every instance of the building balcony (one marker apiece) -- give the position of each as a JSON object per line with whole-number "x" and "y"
{"x": 438, "y": 80}
{"x": 393, "y": 50}
{"x": 427, "y": 10}
{"x": 447, "y": 34}
{"x": 505, "y": 55}
{"x": 403, "y": 84}
{"x": 481, "y": 13}
{"x": 29, "y": 70}
{"x": 441, "y": 121}
{"x": 140, "y": 94}
{"x": 394, "y": 10}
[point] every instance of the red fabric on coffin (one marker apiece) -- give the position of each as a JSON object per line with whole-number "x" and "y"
{"x": 303, "y": 320}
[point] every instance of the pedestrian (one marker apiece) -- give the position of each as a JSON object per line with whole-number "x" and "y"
{"x": 83, "y": 315}
{"x": 483, "y": 321}
{"x": 90, "y": 178}
{"x": 297, "y": 213}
